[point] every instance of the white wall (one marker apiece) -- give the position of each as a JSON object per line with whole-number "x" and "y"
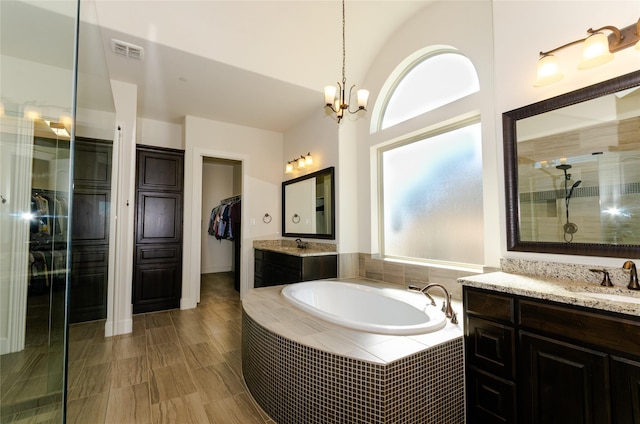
{"x": 261, "y": 155}
{"x": 119, "y": 311}
{"x": 159, "y": 134}
{"x": 318, "y": 135}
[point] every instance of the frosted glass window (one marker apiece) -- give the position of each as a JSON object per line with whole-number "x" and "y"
{"x": 432, "y": 198}
{"x": 436, "y": 81}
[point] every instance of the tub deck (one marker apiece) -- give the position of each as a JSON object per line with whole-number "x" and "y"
{"x": 269, "y": 308}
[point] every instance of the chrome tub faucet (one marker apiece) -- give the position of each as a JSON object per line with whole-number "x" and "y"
{"x": 446, "y": 305}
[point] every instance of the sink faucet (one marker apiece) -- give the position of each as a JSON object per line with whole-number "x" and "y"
{"x": 301, "y": 244}
{"x": 633, "y": 272}
{"x": 606, "y": 280}
{"x": 446, "y": 306}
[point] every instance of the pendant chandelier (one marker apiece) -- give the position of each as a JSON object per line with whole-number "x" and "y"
{"x": 335, "y": 95}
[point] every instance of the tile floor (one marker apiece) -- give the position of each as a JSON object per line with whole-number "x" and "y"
{"x": 176, "y": 366}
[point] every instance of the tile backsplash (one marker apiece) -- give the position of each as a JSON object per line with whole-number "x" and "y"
{"x": 403, "y": 274}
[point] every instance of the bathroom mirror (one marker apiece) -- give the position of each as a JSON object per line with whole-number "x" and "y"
{"x": 572, "y": 172}
{"x": 308, "y": 205}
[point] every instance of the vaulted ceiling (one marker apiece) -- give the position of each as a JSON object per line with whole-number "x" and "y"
{"x": 259, "y": 63}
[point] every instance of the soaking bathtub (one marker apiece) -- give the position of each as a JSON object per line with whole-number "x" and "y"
{"x": 366, "y": 308}
{"x": 301, "y": 368}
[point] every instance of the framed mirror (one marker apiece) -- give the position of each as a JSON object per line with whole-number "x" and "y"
{"x": 308, "y": 205}
{"x": 572, "y": 172}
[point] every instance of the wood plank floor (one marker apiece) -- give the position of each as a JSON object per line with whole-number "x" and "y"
{"x": 176, "y": 366}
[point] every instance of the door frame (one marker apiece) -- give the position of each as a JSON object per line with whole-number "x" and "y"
{"x": 191, "y": 263}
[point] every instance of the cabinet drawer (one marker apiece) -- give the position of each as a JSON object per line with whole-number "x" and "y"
{"x": 490, "y": 399}
{"x": 611, "y": 332}
{"x": 490, "y": 346}
{"x": 283, "y": 260}
{"x": 489, "y": 305}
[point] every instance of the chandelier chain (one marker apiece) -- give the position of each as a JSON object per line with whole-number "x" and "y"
{"x": 344, "y": 49}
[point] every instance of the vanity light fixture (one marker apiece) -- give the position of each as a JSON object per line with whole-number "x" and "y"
{"x": 597, "y": 49}
{"x": 335, "y": 95}
{"x": 58, "y": 128}
{"x": 300, "y": 162}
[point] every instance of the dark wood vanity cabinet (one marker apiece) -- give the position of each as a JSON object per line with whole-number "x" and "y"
{"x": 490, "y": 348}
{"x": 532, "y": 361}
{"x": 275, "y": 268}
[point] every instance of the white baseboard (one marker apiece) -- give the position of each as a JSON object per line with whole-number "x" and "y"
{"x": 124, "y": 326}
{"x": 188, "y": 303}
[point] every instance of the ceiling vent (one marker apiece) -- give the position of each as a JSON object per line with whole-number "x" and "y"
{"x": 129, "y": 50}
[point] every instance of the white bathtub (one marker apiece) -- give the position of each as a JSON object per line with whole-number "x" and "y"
{"x": 366, "y": 308}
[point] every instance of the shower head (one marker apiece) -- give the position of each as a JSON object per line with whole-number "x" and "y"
{"x": 576, "y": 184}
{"x": 564, "y": 167}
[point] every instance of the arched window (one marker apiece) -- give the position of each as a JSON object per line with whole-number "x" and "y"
{"x": 431, "y": 202}
{"x": 439, "y": 76}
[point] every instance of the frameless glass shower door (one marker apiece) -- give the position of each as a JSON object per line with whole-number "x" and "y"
{"x": 40, "y": 81}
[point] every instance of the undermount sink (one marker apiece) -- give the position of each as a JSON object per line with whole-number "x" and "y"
{"x": 612, "y": 294}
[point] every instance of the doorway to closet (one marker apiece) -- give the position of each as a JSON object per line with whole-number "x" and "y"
{"x": 221, "y": 240}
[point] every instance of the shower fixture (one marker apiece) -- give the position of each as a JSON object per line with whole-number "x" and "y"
{"x": 569, "y": 228}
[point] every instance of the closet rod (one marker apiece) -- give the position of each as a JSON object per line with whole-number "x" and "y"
{"x": 231, "y": 199}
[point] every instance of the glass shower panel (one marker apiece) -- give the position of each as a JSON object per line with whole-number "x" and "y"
{"x": 37, "y": 67}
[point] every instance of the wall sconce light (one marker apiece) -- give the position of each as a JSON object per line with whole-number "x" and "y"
{"x": 597, "y": 49}
{"x": 32, "y": 113}
{"x": 300, "y": 162}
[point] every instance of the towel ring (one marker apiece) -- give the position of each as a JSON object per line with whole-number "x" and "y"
{"x": 267, "y": 218}
{"x": 295, "y": 218}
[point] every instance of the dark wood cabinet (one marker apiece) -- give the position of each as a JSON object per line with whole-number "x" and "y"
{"x": 275, "y": 268}
{"x": 563, "y": 383}
{"x": 157, "y": 281}
{"x": 90, "y": 230}
{"x": 534, "y": 361}
{"x": 625, "y": 390}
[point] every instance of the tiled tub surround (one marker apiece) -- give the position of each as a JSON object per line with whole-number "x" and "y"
{"x": 405, "y": 274}
{"x": 302, "y": 369}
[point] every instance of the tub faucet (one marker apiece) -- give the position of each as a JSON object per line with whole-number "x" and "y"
{"x": 633, "y": 272}
{"x": 446, "y": 306}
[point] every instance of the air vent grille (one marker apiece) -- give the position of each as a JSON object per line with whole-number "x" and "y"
{"x": 129, "y": 50}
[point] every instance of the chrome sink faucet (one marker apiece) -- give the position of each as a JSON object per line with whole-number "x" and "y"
{"x": 633, "y": 272}
{"x": 446, "y": 306}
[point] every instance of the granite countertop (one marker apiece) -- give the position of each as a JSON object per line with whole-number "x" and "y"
{"x": 290, "y": 247}
{"x": 557, "y": 290}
